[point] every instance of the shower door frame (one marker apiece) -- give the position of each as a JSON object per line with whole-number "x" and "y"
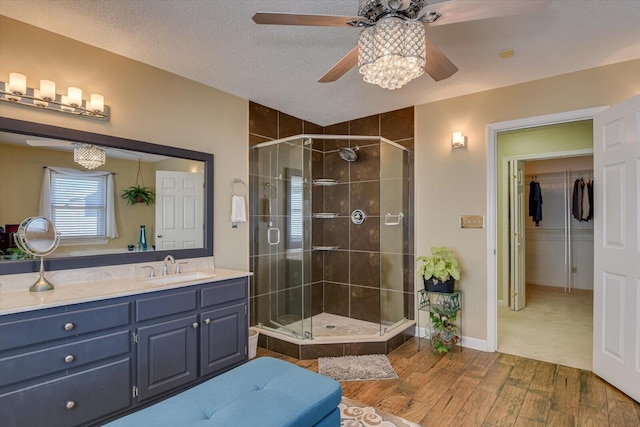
{"x": 307, "y": 326}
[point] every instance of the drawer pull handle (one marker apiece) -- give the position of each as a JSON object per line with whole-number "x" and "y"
{"x": 71, "y": 404}
{"x": 69, "y": 326}
{"x": 207, "y": 321}
{"x": 195, "y": 325}
{"x": 69, "y": 358}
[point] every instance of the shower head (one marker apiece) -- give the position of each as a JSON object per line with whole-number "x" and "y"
{"x": 349, "y": 154}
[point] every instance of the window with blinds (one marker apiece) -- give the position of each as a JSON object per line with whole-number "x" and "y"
{"x": 295, "y": 214}
{"x": 78, "y": 206}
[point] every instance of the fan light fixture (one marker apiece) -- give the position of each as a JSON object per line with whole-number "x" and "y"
{"x": 89, "y": 156}
{"x": 392, "y": 52}
{"x": 45, "y": 98}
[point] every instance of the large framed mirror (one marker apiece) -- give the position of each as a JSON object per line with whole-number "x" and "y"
{"x": 33, "y": 155}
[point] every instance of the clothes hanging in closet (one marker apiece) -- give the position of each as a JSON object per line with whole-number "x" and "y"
{"x": 535, "y": 202}
{"x": 582, "y": 200}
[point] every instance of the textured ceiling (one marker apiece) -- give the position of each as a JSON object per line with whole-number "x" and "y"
{"x": 216, "y": 43}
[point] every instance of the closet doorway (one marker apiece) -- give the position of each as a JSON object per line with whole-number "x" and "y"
{"x": 545, "y": 304}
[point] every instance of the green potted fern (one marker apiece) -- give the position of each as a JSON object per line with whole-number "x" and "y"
{"x": 138, "y": 194}
{"x": 440, "y": 270}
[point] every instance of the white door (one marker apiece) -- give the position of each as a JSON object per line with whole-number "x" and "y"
{"x": 179, "y": 210}
{"x": 517, "y": 281}
{"x": 616, "y": 312}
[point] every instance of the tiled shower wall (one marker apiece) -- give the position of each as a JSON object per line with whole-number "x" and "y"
{"x": 348, "y": 281}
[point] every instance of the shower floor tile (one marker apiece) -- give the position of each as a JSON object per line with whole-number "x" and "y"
{"x": 342, "y": 326}
{"x": 325, "y": 325}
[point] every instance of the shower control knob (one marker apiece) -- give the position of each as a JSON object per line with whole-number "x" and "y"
{"x": 357, "y": 217}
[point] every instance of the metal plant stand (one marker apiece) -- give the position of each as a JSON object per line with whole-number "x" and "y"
{"x": 447, "y": 304}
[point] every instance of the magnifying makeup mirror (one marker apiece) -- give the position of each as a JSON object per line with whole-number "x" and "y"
{"x": 37, "y": 236}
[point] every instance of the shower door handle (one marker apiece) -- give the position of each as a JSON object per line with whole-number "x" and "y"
{"x": 270, "y": 234}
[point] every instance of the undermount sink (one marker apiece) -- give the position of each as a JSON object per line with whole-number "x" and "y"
{"x": 179, "y": 278}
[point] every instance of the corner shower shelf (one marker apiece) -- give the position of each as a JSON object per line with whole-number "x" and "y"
{"x": 324, "y": 248}
{"x": 325, "y": 215}
{"x": 325, "y": 182}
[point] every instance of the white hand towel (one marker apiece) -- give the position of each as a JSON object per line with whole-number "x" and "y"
{"x": 238, "y": 211}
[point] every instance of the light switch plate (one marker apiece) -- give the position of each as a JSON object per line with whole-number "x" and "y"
{"x": 471, "y": 221}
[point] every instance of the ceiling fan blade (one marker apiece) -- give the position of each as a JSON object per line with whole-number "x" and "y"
{"x": 454, "y": 11}
{"x": 438, "y": 66}
{"x": 48, "y": 143}
{"x": 274, "y": 18}
{"x": 345, "y": 64}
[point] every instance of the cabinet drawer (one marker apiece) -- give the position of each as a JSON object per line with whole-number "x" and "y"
{"x": 34, "y": 364}
{"x": 71, "y": 400}
{"x": 165, "y": 305}
{"x": 224, "y": 292}
{"x": 22, "y": 333}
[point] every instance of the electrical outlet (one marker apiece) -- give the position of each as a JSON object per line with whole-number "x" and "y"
{"x": 471, "y": 221}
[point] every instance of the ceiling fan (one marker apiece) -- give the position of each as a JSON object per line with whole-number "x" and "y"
{"x": 69, "y": 145}
{"x": 393, "y": 35}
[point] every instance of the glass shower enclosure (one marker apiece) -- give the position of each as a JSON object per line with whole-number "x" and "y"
{"x": 331, "y": 236}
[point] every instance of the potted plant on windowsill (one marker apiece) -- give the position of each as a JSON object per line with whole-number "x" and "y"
{"x": 439, "y": 271}
{"x": 138, "y": 194}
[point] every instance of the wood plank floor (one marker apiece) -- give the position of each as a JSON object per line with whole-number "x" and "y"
{"x": 475, "y": 388}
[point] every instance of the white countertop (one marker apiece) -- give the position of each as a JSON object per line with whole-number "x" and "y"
{"x": 21, "y": 300}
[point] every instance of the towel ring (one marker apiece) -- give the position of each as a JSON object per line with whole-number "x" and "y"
{"x": 238, "y": 181}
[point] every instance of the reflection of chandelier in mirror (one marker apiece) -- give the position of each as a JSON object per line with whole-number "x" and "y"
{"x": 391, "y": 53}
{"x": 89, "y": 156}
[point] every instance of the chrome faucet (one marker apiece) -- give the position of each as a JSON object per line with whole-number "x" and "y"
{"x": 165, "y": 268}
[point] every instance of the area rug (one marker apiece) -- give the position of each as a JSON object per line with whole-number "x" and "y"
{"x": 356, "y": 414}
{"x": 357, "y": 368}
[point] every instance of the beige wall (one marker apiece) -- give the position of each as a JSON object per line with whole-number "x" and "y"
{"x": 146, "y": 104}
{"x": 451, "y": 183}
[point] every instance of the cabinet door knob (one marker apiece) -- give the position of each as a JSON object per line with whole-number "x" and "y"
{"x": 69, "y": 326}
{"x": 207, "y": 321}
{"x": 68, "y": 358}
{"x": 195, "y": 325}
{"x": 71, "y": 404}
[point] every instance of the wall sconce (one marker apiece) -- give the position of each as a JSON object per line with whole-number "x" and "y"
{"x": 458, "y": 140}
{"x": 17, "y": 92}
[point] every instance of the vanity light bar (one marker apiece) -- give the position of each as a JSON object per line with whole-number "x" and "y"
{"x": 17, "y": 92}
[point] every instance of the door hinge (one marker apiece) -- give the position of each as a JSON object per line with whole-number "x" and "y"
{"x": 136, "y": 392}
{"x": 135, "y": 338}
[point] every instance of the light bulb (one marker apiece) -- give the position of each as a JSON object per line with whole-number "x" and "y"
{"x": 48, "y": 90}
{"x": 97, "y": 103}
{"x": 17, "y": 83}
{"x": 75, "y": 97}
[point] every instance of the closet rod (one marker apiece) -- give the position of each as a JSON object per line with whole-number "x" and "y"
{"x": 560, "y": 173}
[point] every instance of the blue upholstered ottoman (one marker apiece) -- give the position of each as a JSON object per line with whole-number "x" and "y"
{"x": 262, "y": 393}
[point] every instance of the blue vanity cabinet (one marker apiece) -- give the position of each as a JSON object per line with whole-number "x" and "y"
{"x": 223, "y": 342}
{"x": 224, "y": 338}
{"x": 65, "y": 366}
{"x": 86, "y": 364}
{"x": 167, "y": 341}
